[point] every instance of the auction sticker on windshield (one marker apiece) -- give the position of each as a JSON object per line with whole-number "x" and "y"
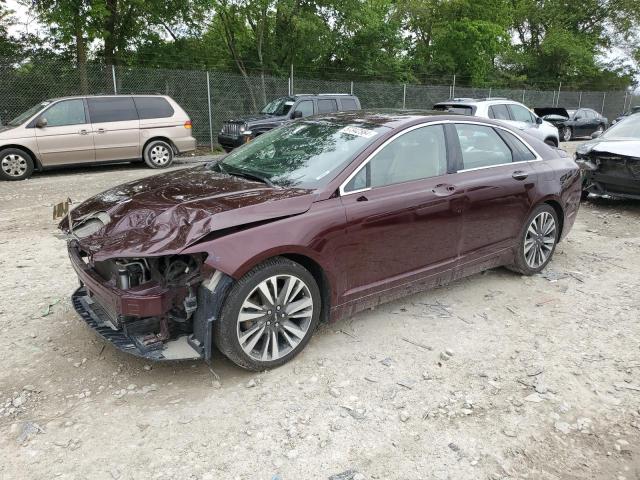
{"x": 359, "y": 132}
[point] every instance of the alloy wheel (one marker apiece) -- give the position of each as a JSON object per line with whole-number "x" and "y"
{"x": 275, "y": 317}
{"x": 14, "y": 165}
{"x": 160, "y": 155}
{"x": 539, "y": 240}
{"x": 566, "y": 134}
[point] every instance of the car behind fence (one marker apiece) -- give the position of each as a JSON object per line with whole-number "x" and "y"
{"x": 211, "y": 97}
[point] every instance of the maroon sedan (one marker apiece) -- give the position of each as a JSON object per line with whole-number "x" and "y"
{"x": 313, "y": 221}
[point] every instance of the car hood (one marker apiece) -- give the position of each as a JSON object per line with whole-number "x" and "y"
{"x": 259, "y": 118}
{"x": 4, "y": 129}
{"x": 164, "y": 214}
{"x": 621, "y": 147}
{"x": 552, "y": 113}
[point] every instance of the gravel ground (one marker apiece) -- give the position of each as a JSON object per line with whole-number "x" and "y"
{"x": 494, "y": 376}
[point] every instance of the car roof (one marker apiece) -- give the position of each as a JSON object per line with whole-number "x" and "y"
{"x": 471, "y": 101}
{"x": 106, "y": 95}
{"x": 393, "y": 118}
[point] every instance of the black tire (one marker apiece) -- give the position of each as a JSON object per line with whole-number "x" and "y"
{"x": 15, "y": 164}
{"x": 521, "y": 264}
{"x": 225, "y": 330}
{"x": 566, "y": 134}
{"x": 584, "y": 195}
{"x": 158, "y": 154}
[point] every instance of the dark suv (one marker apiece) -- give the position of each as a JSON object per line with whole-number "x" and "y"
{"x": 281, "y": 110}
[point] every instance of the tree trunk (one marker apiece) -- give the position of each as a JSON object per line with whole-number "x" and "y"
{"x": 110, "y": 39}
{"x": 81, "y": 58}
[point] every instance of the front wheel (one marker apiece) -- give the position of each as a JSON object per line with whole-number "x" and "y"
{"x": 538, "y": 240}
{"x": 269, "y": 315}
{"x": 15, "y": 164}
{"x": 158, "y": 154}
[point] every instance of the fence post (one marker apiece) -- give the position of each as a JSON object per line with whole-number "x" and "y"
{"x": 624, "y": 104}
{"x": 351, "y": 87}
{"x": 404, "y": 96}
{"x": 558, "y": 97}
{"x": 113, "y": 74}
{"x": 453, "y": 87}
{"x": 604, "y": 96}
{"x": 489, "y": 93}
{"x": 523, "y": 91}
{"x": 580, "y": 100}
{"x": 291, "y": 78}
{"x": 209, "y": 102}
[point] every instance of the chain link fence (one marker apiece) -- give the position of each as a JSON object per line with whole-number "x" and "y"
{"x": 212, "y": 97}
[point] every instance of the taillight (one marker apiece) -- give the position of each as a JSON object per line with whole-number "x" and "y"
{"x": 187, "y": 124}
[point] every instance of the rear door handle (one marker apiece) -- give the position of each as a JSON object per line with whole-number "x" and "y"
{"x": 520, "y": 175}
{"x": 101, "y": 130}
{"x": 84, "y": 132}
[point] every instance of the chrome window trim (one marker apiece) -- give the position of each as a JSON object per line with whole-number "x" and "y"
{"x": 364, "y": 163}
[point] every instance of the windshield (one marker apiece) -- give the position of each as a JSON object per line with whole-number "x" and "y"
{"x": 627, "y": 129}
{"x": 280, "y": 106}
{"x": 462, "y": 109}
{"x": 23, "y": 117}
{"x": 303, "y": 154}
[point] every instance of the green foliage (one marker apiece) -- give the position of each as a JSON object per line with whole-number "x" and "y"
{"x": 482, "y": 42}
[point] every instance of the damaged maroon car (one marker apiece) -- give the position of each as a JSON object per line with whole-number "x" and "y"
{"x": 313, "y": 221}
{"x": 611, "y": 162}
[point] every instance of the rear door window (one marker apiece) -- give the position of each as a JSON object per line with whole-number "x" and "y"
{"x": 521, "y": 153}
{"x": 461, "y": 109}
{"x": 348, "y": 104}
{"x": 521, "y": 114}
{"x": 153, "y": 107}
{"x": 326, "y": 105}
{"x": 112, "y": 109}
{"x": 482, "y": 146}
{"x": 499, "y": 112}
{"x": 66, "y": 112}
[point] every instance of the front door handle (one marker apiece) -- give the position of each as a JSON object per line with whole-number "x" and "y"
{"x": 101, "y": 130}
{"x": 520, "y": 175}
{"x": 84, "y": 132}
{"x": 443, "y": 190}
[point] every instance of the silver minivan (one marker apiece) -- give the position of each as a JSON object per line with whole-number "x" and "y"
{"x": 94, "y": 129}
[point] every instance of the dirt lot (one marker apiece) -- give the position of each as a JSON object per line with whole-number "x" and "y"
{"x": 542, "y": 379}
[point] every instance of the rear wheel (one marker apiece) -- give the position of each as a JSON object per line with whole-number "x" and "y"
{"x": 269, "y": 315}
{"x": 566, "y": 133}
{"x": 158, "y": 154}
{"x": 600, "y": 129}
{"x": 538, "y": 240}
{"x": 15, "y": 164}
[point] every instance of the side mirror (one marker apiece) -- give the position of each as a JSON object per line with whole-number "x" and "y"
{"x": 42, "y": 122}
{"x": 596, "y": 134}
{"x": 577, "y": 117}
{"x": 296, "y": 114}
{"x": 538, "y": 121}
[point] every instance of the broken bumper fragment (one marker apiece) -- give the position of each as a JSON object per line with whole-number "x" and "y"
{"x": 158, "y": 308}
{"x": 141, "y": 344}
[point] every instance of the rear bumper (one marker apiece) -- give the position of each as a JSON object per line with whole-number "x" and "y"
{"x": 186, "y": 144}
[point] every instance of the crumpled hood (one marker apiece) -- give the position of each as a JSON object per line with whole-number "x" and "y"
{"x": 164, "y": 214}
{"x": 552, "y": 113}
{"x": 623, "y": 148}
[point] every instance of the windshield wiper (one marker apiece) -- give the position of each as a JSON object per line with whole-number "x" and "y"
{"x": 245, "y": 174}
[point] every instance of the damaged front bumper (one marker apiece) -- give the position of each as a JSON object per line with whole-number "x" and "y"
{"x": 613, "y": 175}
{"x": 150, "y": 320}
